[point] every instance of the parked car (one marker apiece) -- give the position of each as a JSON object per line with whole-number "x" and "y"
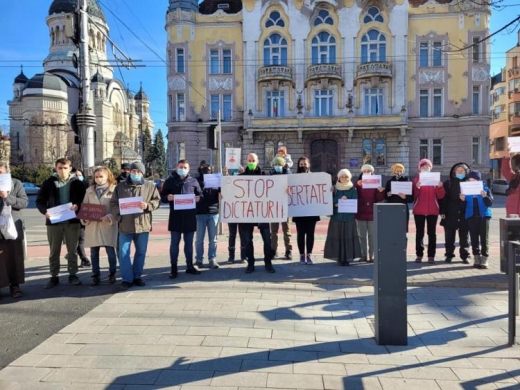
{"x": 30, "y": 188}
{"x": 499, "y": 186}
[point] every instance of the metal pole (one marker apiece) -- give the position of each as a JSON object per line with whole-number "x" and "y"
{"x": 513, "y": 292}
{"x": 219, "y": 127}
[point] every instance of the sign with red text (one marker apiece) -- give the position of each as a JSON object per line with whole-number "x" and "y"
{"x": 251, "y": 199}
{"x": 371, "y": 181}
{"x": 130, "y": 205}
{"x": 310, "y": 194}
{"x": 92, "y": 212}
{"x": 184, "y": 201}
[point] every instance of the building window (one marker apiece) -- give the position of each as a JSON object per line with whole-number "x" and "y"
{"x": 477, "y": 49}
{"x": 475, "y": 103}
{"x": 181, "y": 151}
{"x": 323, "y": 17}
{"x": 423, "y": 148}
{"x": 220, "y": 61}
{"x": 268, "y": 152}
{"x": 275, "y": 104}
{"x": 180, "y": 60}
{"x": 215, "y": 106}
{"x": 181, "y": 108}
{"x": 323, "y": 49}
{"x": 275, "y": 50}
{"x": 368, "y": 146}
{"x": 437, "y": 152}
{"x": 430, "y": 102}
{"x": 500, "y": 144}
{"x": 430, "y": 54}
{"x": 227, "y": 107}
{"x": 437, "y": 102}
{"x": 226, "y": 61}
{"x": 431, "y": 149}
{"x": 367, "y": 151}
{"x": 373, "y": 47}
{"x": 476, "y": 150}
{"x": 373, "y": 15}
{"x": 323, "y": 103}
{"x": 275, "y": 19}
{"x": 214, "y": 62}
{"x": 373, "y": 101}
{"x": 380, "y": 152}
{"x": 171, "y": 108}
{"x": 224, "y": 101}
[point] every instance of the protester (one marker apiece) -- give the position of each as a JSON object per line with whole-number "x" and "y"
{"x": 12, "y": 251}
{"x": 103, "y": 233}
{"x": 282, "y": 152}
{"x": 305, "y": 226}
{"x": 246, "y": 229}
{"x": 426, "y": 211}
{"x": 365, "y": 214}
{"x": 342, "y": 242}
{"x": 59, "y": 189}
{"x": 125, "y": 171}
{"x": 134, "y": 227}
{"x": 478, "y": 214}
{"x": 280, "y": 168}
{"x": 452, "y": 211}
{"x": 513, "y": 177}
{"x": 233, "y": 230}
{"x": 398, "y": 171}
{"x": 84, "y": 261}
{"x": 181, "y": 222}
{"x": 207, "y": 219}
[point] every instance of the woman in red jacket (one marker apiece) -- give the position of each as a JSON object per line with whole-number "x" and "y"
{"x": 426, "y": 210}
{"x": 513, "y": 193}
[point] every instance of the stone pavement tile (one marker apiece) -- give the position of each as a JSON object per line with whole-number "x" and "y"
{"x": 197, "y": 351}
{"x": 282, "y": 325}
{"x": 270, "y": 343}
{"x": 294, "y": 381}
{"x": 299, "y": 327}
{"x": 122, "y": 307}
{"x": 301, "y": 345}
{"x": 267, "y": 366}
{"x": 188, "y": 387}
{"x": 488, "y": 332}
{"x": 222, "y": 314}
{"x": 490, "y": 375}
{"x": 334, "y": 382}
{"x": 124, "y": 329}
{"x": 179, "y": 378}
{"x": 123, "y": 339}
{"x": 114, "y": 321}
{"x": 221, "y": 364}
{"x": 12, "y": 385}
{"x": 176, "y": 340}
{"x": 293, "y": 355}
{"x": 174, "y": 313}
{"x": 250, "y": 332}
{"x": 253, "y": 379}
{"x": 192, "y": 322}
{"x": 28, "y": 360}
{"x": 329, "y": 357}
{"x": 108, "y": 314}
{"x": 320, "y": 368}
{"x": 288, "y": 335}
{"x": 376, "y": 370}
{"x": 234, "y": 323}
{"x": 421, "y": 325}
{"x": 132, "y": 377}
{"x": 364, "y": 346}
{"x": 391, "y": 359}
{"x": 428, "y": 373}
{"x": 457, "y": 385}
{"x": 208, "y": 330}
{"x": 114, "y": 362}
{"x": 126, "y": 350}
{"x": 244, "y": 353}
{"x": 24, "y": 374}
{"x": 435, "y": 361}
{"x": 218, "y": 341}
{"x": 166, "y": 330}
{"x": 326, "y": 337}
{"x": 77, "y": 375}
{"x": 56, "y": 349}
{"x": 408, "y": 384}
{"x": 83, "y": 329}
{"x": 496, "y": 363}
{"x": 153, "y": 322}
{"x": 59, "y": 361}
{"x": 262, "y": 314}
{"x": 162, "y": 362}
{"x": 237, "y": 308}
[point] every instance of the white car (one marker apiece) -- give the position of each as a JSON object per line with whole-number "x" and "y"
{"x": 30, "y": 188}
{"x": 499, "y": 186}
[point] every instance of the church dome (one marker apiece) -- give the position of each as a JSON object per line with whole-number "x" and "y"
{"x": 21, "y": 78}
{"x": 69, "y": 6}
{"x": 141, "y": 95}
{"x": 186, "y": 5}
{"x": 46, "y": 81}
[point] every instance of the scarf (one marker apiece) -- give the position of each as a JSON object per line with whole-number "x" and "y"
{"x": 344, "y": 187}
{"x": 101, "y": 189}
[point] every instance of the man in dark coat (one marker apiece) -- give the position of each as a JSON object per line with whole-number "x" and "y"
{"x": 125, "y": 171}
{"x": 181, "y": 222}
{"x": 59, "y": 189}
{"x": 452, "y": 210}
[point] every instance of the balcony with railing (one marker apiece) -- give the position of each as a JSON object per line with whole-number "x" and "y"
{"x": 374, "y": 69}
{"x": 275, "y": 72}
{"x": 324, "y": 71}
{"x": 514, "y": 72}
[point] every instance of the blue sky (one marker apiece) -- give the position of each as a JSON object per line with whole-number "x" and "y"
{"x": 29, "y": 45}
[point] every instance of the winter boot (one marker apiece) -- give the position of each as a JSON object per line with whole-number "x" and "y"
{"x": 231, "y": 258}
{"x": 173, "y": 273}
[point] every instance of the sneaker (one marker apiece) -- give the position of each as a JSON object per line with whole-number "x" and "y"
{"x": 198, "y": 264}
{"x": 192, "y": 271}
{"x": 302, "y": 259}
{"x": 74, "y": 280}
{"x": 139, "y": 282}
{"x": 85, "y": 263}
{"x": 362, "y": 259}
{"x": 465, "y": 261}
{"x": 418, "y": 259}
{"x": 288, "y": 255}
{"x": 309, "y": 259}
{"x": 53, "y": 282}
{"x": 250, "y": 269}
{"x": 231, "y": 260}
{"x": 269, "y": 268}
{"x": 125, "y": 286}
{"x": 112, "y": 278}
{"x": 214, "y": 265}
{"x": 431, "y": 260}
{"x": 448, "y": 259}
{"x": 95, "y": 280}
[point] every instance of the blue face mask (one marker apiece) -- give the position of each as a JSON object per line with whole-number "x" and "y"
{"x": 182, "y": 172}
{"x": 460, "y": 176}
{"x": 81, "y": 178}
{"x": 278, "y": 169}
{"x": 136, "y": 178}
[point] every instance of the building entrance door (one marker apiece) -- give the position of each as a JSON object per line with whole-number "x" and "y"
{"x": 324, "y": 156}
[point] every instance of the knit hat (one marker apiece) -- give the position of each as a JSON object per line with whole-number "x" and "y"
{"x": 367, "y": 167}
{"x": 475, "y": 175}
{"x": 424, "y": 161}
{"x": 345, "y": 172}
{"x": 278, "y": 161}
{"x": 395, "y": 167}
{"x": 138, "y": 165}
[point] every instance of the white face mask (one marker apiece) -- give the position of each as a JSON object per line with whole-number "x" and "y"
{"x": 426, "y": 169}
{"x": 101, "y": 181}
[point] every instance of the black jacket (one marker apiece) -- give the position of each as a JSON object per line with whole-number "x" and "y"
{"x": 183, "y": 221}
{"x": 209, "y": 203}
{"x": 396, "y": 198}
{"x": 49, "y": 196}
{"x": 451, "y": 206}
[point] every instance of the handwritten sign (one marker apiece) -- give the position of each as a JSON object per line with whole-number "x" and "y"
{"x": 233, "y": 158}
{"x": 429, "y": 178}
{"x": 471, "y": 187}
{"x": 61, "y": 213}
{"x": 92, "y": 212}
{"x": 401, "y": 187}
{"x": 184, "y": 201}
{"x": 5, "y": 182}
{"x": 310, "y": 194}
{"x": 212, "y": 180}
{"x": 130, "y": 205}
{"x": 371, "y": 181}
{"x": 514, "y": 144}
{"x": 347, "y": 206}
{"x": 254, "y": 198}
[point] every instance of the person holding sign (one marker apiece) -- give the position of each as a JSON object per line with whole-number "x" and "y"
{"x": 134, "y": 227}
{"x": 84, "y": 261}
{"x": 342, "y": 243}
{"x": 12, "y": 251}
{"x": 60, "y": 189}
{"x": 511, "y": 173}
{"x": 233, "y": 230}
{"x": 478, "y": 214}
{"x": 405, "y": 195}
{"x": 101, "y": 230}
{"x": 183, "y": 215}
{"x": 365, "y": 214}
{"x": 426, "y": 211}
{"x": 282, "y": 152}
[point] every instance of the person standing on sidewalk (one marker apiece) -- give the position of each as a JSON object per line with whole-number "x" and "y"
{"x": 99, "y": 234}
{"x": 61, "y": 188}
{"x": 12, "y": 252}
{"x": 207, "y": 219}
{"x": 125, "y": 172}
{"x": 398, "y": 172}
{"x": 181, "y": 222}
{"x": 84, "y": 261}
{"x": 282, "y": 152}
{"x": 513, "y": 177}
{"x": 136, "y": 227}
{"x": 233, "y": 231}
{"x": 280, "y": 168}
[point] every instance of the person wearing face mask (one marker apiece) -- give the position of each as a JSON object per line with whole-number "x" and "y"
{"x": 398, "y": 171}
{"x": 280, "y": 168}
{"x": 125, "y": 171}
{"x": 305, "y": 226}
{"x": 84, "y": 261}
{"x": 181, "y": 222}
{"x": 103, "y": 233}
{"x": 453, "y": 210}
{"x": 136, "y": 227}
{"x": 426, "y": 211}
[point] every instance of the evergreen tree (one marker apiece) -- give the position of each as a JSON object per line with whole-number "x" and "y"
{"x": 147, "y": 157}
{"x": 159, "y": 154}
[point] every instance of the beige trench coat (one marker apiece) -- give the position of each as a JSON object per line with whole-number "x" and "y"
{"x": 100, "y": 233}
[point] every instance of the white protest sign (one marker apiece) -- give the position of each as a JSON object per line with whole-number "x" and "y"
{"x": 212, "y": 180}
{"x": 130, "y": 205}
{"x": 5, "y": 182}
{"x": 371, "y": 181}
{"x": 61, "y": 213}
{"x": 429, "y": 178}
{"x": 471, "y": 187}
{"x": 514, "y": 144}
{"x": 251, "y": 199}
{"x": 310, "y": 194}
{"x": 232, "y": 158}
{"x": 347, "y": 206}
{"x": 401, "y": 187}
{"x": 184, "y": 201}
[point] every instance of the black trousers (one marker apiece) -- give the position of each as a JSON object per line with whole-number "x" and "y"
{"x": 246, "y": 235}
{"x": 449, "y": 238}
{"x": 479, "y": 233}
{"x": 81, "y": 244}
{"x": 233, "y": 230}
{"x": 305, "y": 236}
{"x": 431, "y": 223}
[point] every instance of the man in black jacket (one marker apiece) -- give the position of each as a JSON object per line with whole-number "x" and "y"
{"x": 61, "y": 188}
{"x": 125, "y": 171}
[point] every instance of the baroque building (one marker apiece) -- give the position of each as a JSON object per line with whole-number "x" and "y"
{"x": 343, "y": 82}
{"x": 43, "y": 106}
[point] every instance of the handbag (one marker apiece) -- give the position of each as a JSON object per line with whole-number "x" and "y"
{"x": 7, "y": 226}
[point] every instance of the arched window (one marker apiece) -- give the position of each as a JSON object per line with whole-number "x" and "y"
{"x": 373, "y": 47}
{"x": 268, "y": 152}
{"x": 323, "y": 17}
{"x": 380, "y": 152}
{"x": 323, "y": 49}
{"x": 275, "y": 19}
{"x": 275, "y": 50}
{"x": 373, "y": 15}
{"x": 367, "y": 151}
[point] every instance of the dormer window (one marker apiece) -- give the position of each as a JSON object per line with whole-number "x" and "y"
{"x": 275, "y": 19}
{"x": 373, "y": 15}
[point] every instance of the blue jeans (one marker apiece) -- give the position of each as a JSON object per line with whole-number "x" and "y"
{"x": 112, "y": 260}
{"x": 130, "y": 272}
{"x": 209, "y": 221}
{"x": 188, "y": 247}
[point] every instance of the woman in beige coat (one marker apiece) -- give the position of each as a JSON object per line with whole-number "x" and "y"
{"x": 101, "y": 233}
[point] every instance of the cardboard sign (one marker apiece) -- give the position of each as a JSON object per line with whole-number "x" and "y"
{"x": 233, "y": 158}
{"x": 403, "y": 187}
{"x": 61, "y": 213}
{"x": 347, "y": 206}
{"x": 254, "y": 199}
{"x": 184, "y": 201}
{"x": 92, "y": 212}
{"x": 471, "y": 187}
{"x": 310, "y": 194}
{"x": 212, "y": 180}
{"x": 131, "y": 205}
{"x": 371, "y": 181}
{"x": 429, "y": 178}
